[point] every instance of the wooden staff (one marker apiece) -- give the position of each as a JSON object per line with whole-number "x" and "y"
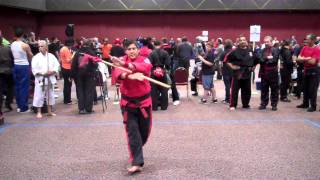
{"x": 145, "y": 77}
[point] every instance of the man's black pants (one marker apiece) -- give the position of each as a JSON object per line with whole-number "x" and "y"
{"x": 310, "y": 88}
{"x": 67, "y": 84}
{"x": 85, "y": 90}
{"x": 138, "y": 129}
{"x": 273, "y": 84}
{"x": 285, "y": 83}
{"x": 6, "y": 85}
{"x": 159, "y": 93}
{"x": 245, "y": 86}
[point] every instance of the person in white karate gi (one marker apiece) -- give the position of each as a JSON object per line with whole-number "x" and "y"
{"x": 44, "y": 67}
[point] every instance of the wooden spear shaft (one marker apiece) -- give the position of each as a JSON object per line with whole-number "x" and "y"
{"x": 145, "y": 77}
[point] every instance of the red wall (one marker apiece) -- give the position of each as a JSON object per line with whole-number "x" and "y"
{"x": 11, "y": 18}
{"x": 223, "y": 24}
{"x": 159, "y": 24}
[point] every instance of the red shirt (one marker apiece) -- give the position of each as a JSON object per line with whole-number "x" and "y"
{"x": 312, "y": 52}
{"x": 145, "y": 51}
{"x": 135, "y": 88}
{"x": 317, "y": 54}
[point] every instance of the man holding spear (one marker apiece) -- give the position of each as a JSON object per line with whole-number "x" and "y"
{"x": 133, "y": 73}
{"x": 135, "y": 101}
{"x": 44, "y": 67}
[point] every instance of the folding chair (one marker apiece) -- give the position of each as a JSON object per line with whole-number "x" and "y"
{"x": 181, "y": 76}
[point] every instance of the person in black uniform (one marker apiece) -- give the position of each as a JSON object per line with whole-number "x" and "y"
{"x": 269, "y": 74}
{"x": 286, "y": 70}
{"x": 84, "y": 77}
{"x": 241, "y": 61}
{"x": 160, "y": 61}
{"x": 226, "y": 71}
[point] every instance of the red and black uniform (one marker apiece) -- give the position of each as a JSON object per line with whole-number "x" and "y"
{"x": 160, "y": 60}
{"x": 136, "y": 107}
{"x": 310, "y": 77}
{"x": 241, "y": 78}
{"x": 84, "y": 79}
{"x": 269, "y": 76}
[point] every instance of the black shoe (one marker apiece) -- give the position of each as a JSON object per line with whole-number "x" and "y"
{"x": 89, "y": 112}
{"x": 262, "y": 107}
{"x": 203, "y": 101}
{"x": 215, "y": 101}
{"x": 274, "y": 108}
{"x": 82, "y": 112}
{"x": 311, "y": 109}
{"x": 302, "y": 106}
{"x": 194, "y": 94}
{"x": 285, "y": 100}
{"x": 246, "y": 106}
{"x": 69, "y": 103}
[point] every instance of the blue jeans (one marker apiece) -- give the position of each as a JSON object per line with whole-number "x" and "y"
{"x": 21, "y": 76}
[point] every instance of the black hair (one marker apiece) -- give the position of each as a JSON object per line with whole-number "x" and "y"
{"x": 129, "y": 42}
{"x": 164, "y": 40}
{"x": 184, "y": 39}
{"x": 18, "y": 32}
{"x": 312, "y": 37}
{"x": 286, "y": 42}
{"x": 144, "y": 41}
{"x": 157, "y": 43}
{"x": 228, "y": 44}
{"x": 69, "y": 42}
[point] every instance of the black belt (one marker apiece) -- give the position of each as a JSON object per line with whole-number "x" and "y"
{"x": 135, "y": 100}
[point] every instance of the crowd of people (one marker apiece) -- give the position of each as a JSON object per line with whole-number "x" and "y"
{"x": 30, "y": 68}
{"x": 233, "y": 62}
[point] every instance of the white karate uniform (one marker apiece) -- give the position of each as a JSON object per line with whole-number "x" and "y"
{"x": 39, "y": 64}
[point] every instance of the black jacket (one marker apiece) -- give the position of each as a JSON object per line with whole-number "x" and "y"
{"x": 184, "y": 54}
{"x": 160, "y": 58}
{"x": 244, "y": 58}
{"x": 6, "y": 60}
{"x": 286, "y": 59}
{"x": 269, "y": 67}
{"x": 91, "y": 68}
